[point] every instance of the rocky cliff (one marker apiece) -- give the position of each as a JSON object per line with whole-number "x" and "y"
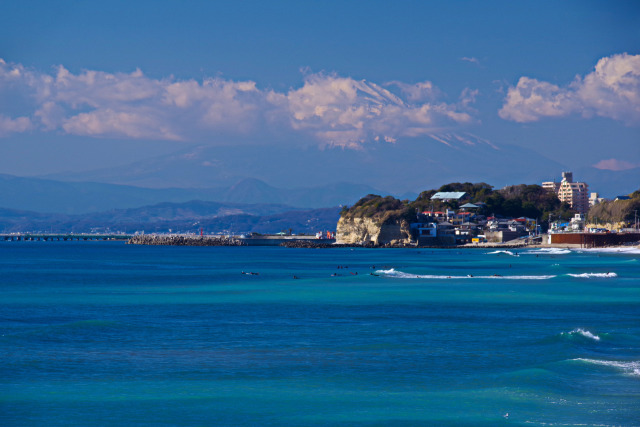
{"x": 375, "y": 220}
{"x": 356, "y": 230}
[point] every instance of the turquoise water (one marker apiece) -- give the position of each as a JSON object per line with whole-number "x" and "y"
{"x": 103, "y": 333}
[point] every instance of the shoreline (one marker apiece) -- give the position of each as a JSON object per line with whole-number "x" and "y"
{"x": 157, "y": 240}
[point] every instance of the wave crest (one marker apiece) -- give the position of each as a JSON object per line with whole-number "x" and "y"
{"x": 402, "y": 275}
{"x": 629, "y": 368}
{"x": 591, "y": 275}
{"x": 502, "y": 252}
{"x": 582, "y": 332}
{"x": 548, "y": 251}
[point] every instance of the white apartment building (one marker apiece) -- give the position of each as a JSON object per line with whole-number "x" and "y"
{"x": 574, "y": 193}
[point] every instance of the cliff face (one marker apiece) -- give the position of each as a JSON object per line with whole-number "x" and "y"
{"x": 358, "y": 230}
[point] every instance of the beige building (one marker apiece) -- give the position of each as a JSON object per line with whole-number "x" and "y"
{"x": 595, "y": 198}
{"x": 574, "y": 193}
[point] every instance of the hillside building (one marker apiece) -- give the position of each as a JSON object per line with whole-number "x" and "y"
{"x": 595, "y": 198}
{"x": 574, "y": 193}
{"x": 445, "y": 196}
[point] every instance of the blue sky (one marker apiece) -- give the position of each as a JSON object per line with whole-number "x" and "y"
{"x": 104, "y": 83}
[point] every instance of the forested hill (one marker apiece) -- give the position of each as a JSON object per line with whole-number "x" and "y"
{"x": 616, "y": 211}
{"x": 531, "y": 201}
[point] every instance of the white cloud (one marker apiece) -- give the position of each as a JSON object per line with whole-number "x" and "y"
{"x": 471, "y": 59}
{"x": 612, "y": 90}
{"x": 468, "y": 96}
{"x": 418, "y": 92}
{"x": 98, "y": 89}
{"x": 107, "y": 122}
{"x": 532, "y": 99}
{"x": 17, "y": 125}
{"x": 615, "y": 165}
{"x": 51, "y": 115}
{"x": 334, "y": 110}
{"x": 346, "y": 112}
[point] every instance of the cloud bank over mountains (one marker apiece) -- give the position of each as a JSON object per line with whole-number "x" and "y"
{"x": 335, "y": 110}
{"x": 331, "y": 109}
{"x": 612, "y": 90}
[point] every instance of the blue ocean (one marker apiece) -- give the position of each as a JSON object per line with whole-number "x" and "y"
{"x": 103, "y": 333}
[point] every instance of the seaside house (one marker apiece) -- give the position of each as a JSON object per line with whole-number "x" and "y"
{"x": 467, "y": 206}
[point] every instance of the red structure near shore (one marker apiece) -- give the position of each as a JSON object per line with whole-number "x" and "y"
{"x": 594, "y": 240}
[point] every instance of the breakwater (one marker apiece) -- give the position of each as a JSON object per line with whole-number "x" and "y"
{"x": 153, "y": 239}
{"x": 319, "y": 244}
{"x": 50, "y": 237}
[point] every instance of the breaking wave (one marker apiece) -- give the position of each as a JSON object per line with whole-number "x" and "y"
{"x": 629, "y": 368}
{"x": 583, "y": 333}
{"x": 502, "y": 252}
{"x": 631, "y": 250}
{"x": 548, "y": 251}
{"x": 591, "y": 275}
{"x": 402, "y": 275}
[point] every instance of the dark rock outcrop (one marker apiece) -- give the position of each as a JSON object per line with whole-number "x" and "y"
{"x": 154, "y": 239}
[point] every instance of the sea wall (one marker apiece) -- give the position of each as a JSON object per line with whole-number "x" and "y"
{"x": 501, "y": 236}
{"x": 367, "y": 231}
{"x": 595, "y": 240}
{"x": 154, "y": 239}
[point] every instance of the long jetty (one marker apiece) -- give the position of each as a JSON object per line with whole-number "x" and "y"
{"x": 195, "y": 240}
{"x": 17, "y": 237}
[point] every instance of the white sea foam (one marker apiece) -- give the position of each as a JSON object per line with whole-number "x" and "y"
{"x": 584, "y": 333}
{"x": 629, "y": 368}
{"x": 541, "y": 277}
{"x": 402, "y": 275}
{"x": 501, "y": 252}
{"x": 590, "y": 275}
{"x": 548, "y": 251}
{"x": 624, "y": 250}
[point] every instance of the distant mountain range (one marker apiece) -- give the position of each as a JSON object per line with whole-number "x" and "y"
{"x": 45, "y": 195}
{"x": 299, "y": 177}
{"x": 310, "y": 176}
{"x": 189, "y": 217}
{"x": 406, "y": 166}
